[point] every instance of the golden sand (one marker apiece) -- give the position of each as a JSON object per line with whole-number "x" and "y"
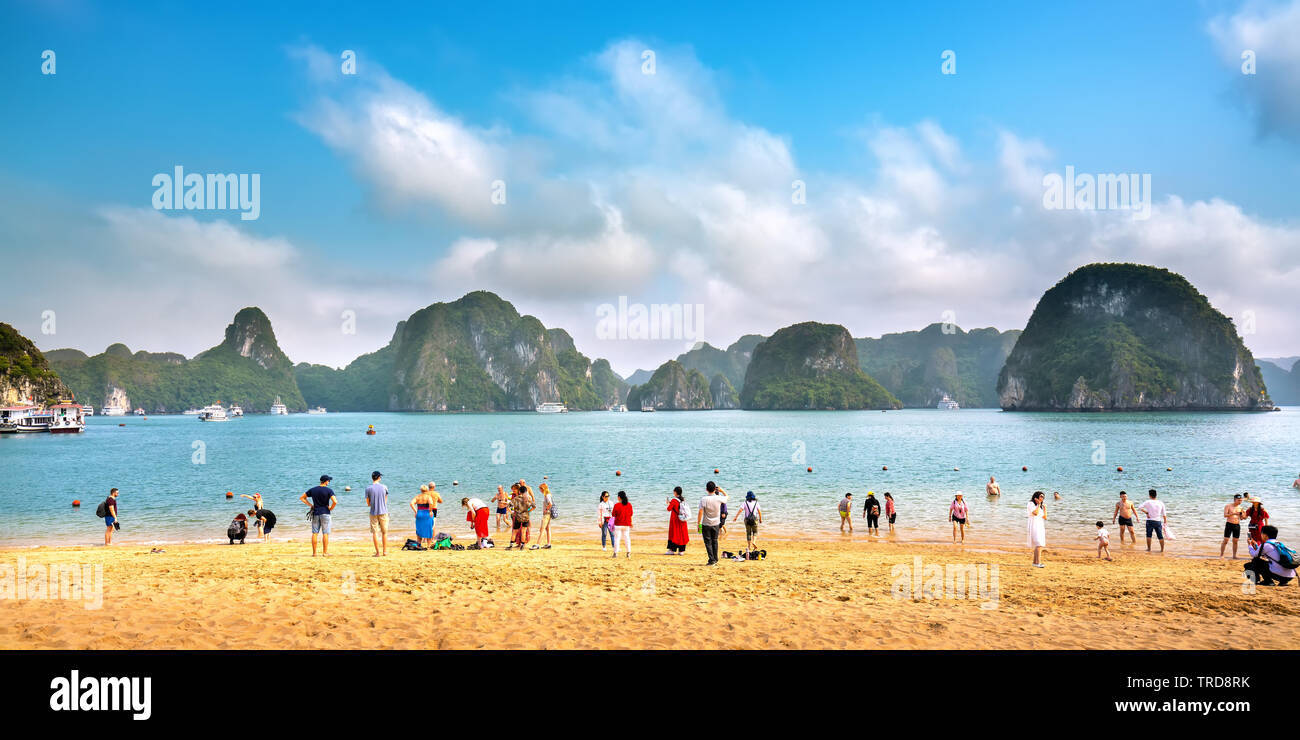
{"x": 804, "y": 595}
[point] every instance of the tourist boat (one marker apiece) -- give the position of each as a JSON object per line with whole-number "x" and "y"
{"x": 551, "y": 407}
{"x": 18, "y": 419}
{"x": 948, "y": 404}
{"x": 87, "y": 410}
{"x": 278, "y": 409}
{"x": 648, "y": 409}
{"x": 618, "y": 407}
{"x": 215, "y": 412}
{"x": 236, "y": 411}
{"x": 66, "y": 418}
{"x": 113, "y": 411}
{"x": 190, "y": 412}
{"x": 139, "y": 411}
{"x": 317, "y": 410}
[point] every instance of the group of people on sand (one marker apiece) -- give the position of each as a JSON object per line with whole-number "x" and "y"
{"x": 872, "y": 508}
{"x": 514, "y": 509}
{"x": 614, "y": 520}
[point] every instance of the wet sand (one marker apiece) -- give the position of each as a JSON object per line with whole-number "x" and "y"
{"x": 851, "y": 593}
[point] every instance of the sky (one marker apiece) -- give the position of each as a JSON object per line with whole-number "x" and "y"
{"x": 863, "y": 164}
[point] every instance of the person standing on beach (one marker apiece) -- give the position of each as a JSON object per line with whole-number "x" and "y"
{"x": 477, "y": 514}
{"x": 605, "y": 519}
{"x": 709, "y": 520}
{"x": 959, "y": 515}
{"x": 521, "y": 507}
{"x": 992, "y": 488}
{"x": 752, "y": 514}
{"x": 1232, "y": 514}
{"x": 890, "y": 511}
{"x": 377, "y": 500}
{"x": 1103, "y": 540}
{"x": 1258, "y": 517}
{"x": 110, "y": 518}
{"x": 322, "y": 502}
{"x": 1125, "y": 513}
{"x": 1037, "y": 511}
{"x": 502, "y": 502}
{"x": 548, "y": 505}
{"x": 871, "y": 510}
{"x": 422, "y": 507}
{"x": 623, "y": 523}
{"x": 1157, "y": 517}
{"x": 678, "y": 515}
{"x": 846, "y": 512}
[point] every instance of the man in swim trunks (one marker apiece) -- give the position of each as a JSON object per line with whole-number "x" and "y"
{"x": 1125, "y": 513}
{"x": 110, "y": 505}
{"x": 846, "y": 512}
{"x": 1232, "y": 513}
{"x": 502, "y": 502}
{"x": 992, "y": 488}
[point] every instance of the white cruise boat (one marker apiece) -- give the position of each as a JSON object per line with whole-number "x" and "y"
{"x": 22, "y": 419}
{"x": 236, "y": 412}
{"x": 87, "y": 410}
{"x": 948, "y": 404}
{"x": 618, "y": 407}
{"x": 66, "y": 418}
{"x": 551, "y": 407}
{"x": 648, "y": 409}
{"x": 278, "y": 409}
{"x": 190, "y": 412}
{"x": 113, "y": 411}
{"x": 215, "y": 412}
{"x": 317, "y": 410}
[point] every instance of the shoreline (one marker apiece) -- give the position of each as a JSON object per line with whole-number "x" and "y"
{"x": 804, "y": 595}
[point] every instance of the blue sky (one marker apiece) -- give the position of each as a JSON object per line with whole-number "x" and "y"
{"x": 847, "y": 97}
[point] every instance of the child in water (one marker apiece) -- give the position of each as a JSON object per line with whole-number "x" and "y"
{"x": 1103, "y": 541}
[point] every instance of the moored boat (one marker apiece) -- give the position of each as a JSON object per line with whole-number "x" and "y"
{"x": 278, "y": 409}
{"x": 215, "y": 412}
{"x": 236, "y": 411}
{"x": 113, "y": 411}
{"x": 66, "y": 418}
{"x": 551, "y": 407}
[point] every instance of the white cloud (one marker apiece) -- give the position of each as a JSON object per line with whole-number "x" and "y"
{"x": 1271, "y": 31}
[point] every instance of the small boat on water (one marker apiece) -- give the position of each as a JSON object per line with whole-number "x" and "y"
{"x": 87, "y": 410}
{"x": 551, "y": 407}
{"x": 236, "y": 412}
{"x": 948, "y": 404}
{"x": 215, "y": 412}
{"x": 278, "y": 409}
{"x": 618, "y": 407}
{"x": 648, "y": 409}
{"x": 66, "y": 418}
{"x": 22, "y": 419}
{"x": 190, "y": 412}
{"x": 112, "y": 411}
{"x": 139, "y": 411}
{"x": 317, "y": 410}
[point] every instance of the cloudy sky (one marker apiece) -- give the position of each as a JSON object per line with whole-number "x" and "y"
{"x": 774, "y": 164}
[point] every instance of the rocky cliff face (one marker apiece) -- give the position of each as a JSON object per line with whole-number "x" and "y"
{"x": 673, "y": 387}
{"x": 723, "y": 393}
{"x": 247, "y": 368}
{"x": 921, "y": 367}
{"x": 25, "y": 373}
{"x": 1113, "y": 337}
{"x": 811, "y": 366}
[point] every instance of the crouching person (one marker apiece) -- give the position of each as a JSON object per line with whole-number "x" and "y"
{"x": 1271, "y": 563}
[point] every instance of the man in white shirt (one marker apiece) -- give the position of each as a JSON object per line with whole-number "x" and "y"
{"x": 1156, "y": 518}
{"x": 709, "y": 519}
{"x": 1264, "y": 563}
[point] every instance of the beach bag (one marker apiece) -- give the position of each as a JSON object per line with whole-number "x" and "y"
{"x": 413, "y": 545}
{"x": 1286, "y": 557}
{"x": 751, "y": 514}
{"x": 554, "y": 512}
{"x": 101, "y": 511}
{"x": 683, "y": 512}
{"x": 237, "y": 530}
{"x": 443, "y": 543}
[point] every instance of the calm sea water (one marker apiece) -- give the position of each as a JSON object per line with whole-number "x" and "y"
{"x": 168, "y": 496}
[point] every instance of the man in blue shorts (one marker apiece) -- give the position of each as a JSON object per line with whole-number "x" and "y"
{"x": 322, "y": 502}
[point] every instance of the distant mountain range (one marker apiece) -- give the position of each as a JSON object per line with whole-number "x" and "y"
{"x": 1105, "y": 337}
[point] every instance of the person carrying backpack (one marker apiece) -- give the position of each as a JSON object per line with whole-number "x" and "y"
{"x": 752, "y": 514}
{"x": 107, "y": 510}
{"x": 1272, "y": 563}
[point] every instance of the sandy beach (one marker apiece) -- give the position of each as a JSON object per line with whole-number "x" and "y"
{"x": 821, "y": 594}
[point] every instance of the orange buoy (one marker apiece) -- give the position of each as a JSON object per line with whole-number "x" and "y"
{"x": 884, "y": 467}
{"x": 715, "y": 471}
{"x": 1119, "y": 469}
{"x": 1024, "y": 468}
{"x": 1168, "y": 468}
{"x": 121, "y": 425}
{"x": 618, "y": 472}
{"x": 229, "y": 494}
{"x": 76, "y": 502}
{"x": 809, "y": 470}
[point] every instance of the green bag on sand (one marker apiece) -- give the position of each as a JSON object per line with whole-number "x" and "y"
{"x": 443, "y": 544}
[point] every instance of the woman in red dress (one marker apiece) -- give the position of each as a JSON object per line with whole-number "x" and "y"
{"x": 678, "y": 534}
{"x": 1258, "y": 517}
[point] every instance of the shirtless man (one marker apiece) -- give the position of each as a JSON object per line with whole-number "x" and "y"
{"x": 1125, "y": 514}
{"x": 502, "y": 502}
{"x": 992, "y": 488}
{"x": 1232, "y": 513}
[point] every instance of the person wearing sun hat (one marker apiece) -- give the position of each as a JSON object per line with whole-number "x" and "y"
{"x": 959, "y": 515}
{"x": 1258, "y": 517}
{"x": 752, "y": 514}
{"x": 871, "y": 510}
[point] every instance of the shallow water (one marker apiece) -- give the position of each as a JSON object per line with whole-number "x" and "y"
{"x": 169, "y": 495}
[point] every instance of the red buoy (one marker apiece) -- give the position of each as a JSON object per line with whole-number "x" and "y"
{"x": 715, "y": 470}
{"x": 76, "y": 502}
{"x": 229, "y": 494}
{"x": 884, "y": 467}
{"x": 618, "y": 472}
{"x": 809, "y": 470}
{"x": 1119, "y": 469}
{"x": 1024, "y": 468}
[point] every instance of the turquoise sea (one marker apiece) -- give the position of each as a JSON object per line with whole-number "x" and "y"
{"x": 170, "y": 493}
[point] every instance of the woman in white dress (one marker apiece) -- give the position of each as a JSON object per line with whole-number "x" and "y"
{"x": 1037, "y": 511}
